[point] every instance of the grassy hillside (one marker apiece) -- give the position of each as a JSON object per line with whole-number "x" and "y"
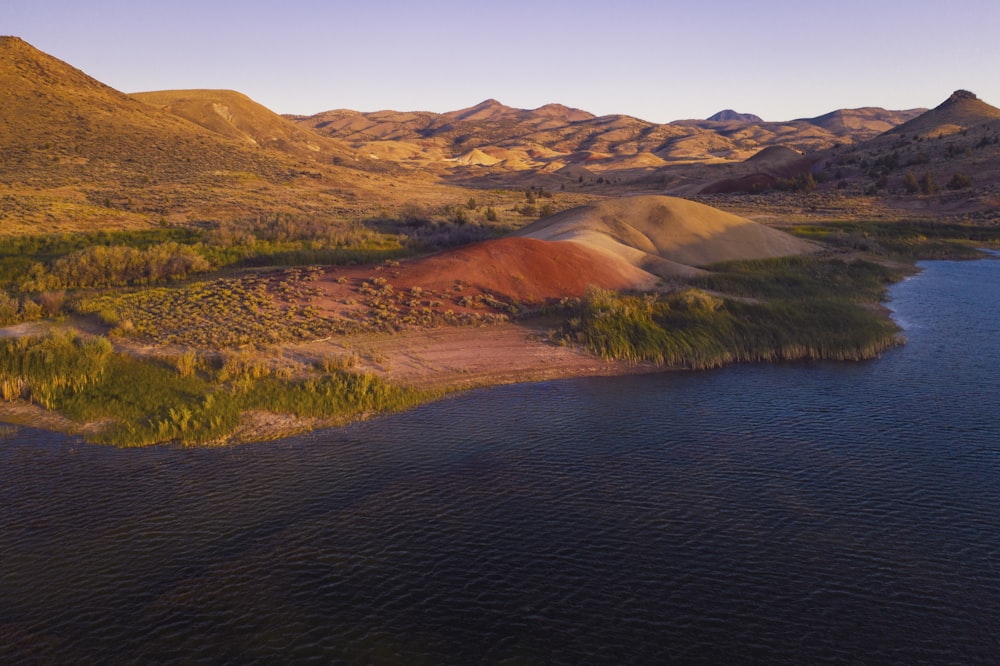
{"x": 236, "y": 116}
{"x": 80, "y": 156}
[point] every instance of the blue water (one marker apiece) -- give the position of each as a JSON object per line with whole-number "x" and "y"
{"x": 795, "y": 514}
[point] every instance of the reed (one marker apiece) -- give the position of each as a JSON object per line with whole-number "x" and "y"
{"x": 147, "y": 402}
{"x": 774, "y": 310}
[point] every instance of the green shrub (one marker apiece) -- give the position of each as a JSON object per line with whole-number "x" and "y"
{"x": 148, "y": 402}
{"x": 789, "y": 308}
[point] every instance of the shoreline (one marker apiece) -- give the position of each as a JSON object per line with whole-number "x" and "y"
{"x": 439, "y": 361}
{"x": 428, "y": 362}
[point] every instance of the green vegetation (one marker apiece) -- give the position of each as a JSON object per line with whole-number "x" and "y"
{"x": 776, "y": 309}
{"x": 803, "y": 184}
{"x": 190, "y": 401}
{"x": 16, "y": 310}
{"x": 103, "y": 259}
{"x": 905, "y": 241}
{"x": 959, "y": 181}
{"x": 255, "y": 310}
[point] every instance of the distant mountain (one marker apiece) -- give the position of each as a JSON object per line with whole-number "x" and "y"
{"x": 728, "y": 116}
{"x": 961, "y": 111}
{"x": 554, "y": 137}
{"x": 864, "y": 123}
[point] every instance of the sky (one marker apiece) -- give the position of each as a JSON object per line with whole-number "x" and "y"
{"x": 659, "y": 61}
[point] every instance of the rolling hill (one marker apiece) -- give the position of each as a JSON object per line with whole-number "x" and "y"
{"x": 542, "y": 142}
{"x": 955, "y": 147}
{"x": 79, "y": 155}
{"x": 666, "y": 236}
{"x": 728, "y": 115}
{"x": 61, "y": 127}
{"x": 236, "y": 116}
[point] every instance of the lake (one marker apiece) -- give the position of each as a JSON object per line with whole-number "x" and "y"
{"x": 797, "y": 513}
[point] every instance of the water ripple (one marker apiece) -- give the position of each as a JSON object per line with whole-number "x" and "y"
{"x": 811, "y": 513}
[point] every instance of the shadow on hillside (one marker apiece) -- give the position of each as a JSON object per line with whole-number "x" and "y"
{"x": 427, "y": 234}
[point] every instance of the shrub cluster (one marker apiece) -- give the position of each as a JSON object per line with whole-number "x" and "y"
{"x": 106, "y": 266}
{"x": 790, "y": 309}
{"x": 151, "y": 402}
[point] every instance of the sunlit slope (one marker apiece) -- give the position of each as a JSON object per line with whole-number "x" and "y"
{"x": 666, "y": 236}
{"x": 236, "y": 116}
{"x": 60, "y": 126}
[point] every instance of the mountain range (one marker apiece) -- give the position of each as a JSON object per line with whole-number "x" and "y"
{"x": 553, "y": 136}
{"x": 78, "y": 154}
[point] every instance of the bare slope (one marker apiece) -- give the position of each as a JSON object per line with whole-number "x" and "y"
{"x": 60, "y": 126}
{"x": 666, "y": 236}
{"x": 525, "y": 269}
{"x": 961, "y": 111}
{"x": 236, "y": 116}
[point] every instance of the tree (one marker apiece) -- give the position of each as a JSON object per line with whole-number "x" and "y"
{"x": 927, "y": 184}
{"x": 959, "y": 181}
{"x": 910, "y": 182}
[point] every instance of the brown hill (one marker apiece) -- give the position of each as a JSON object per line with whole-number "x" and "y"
{"x": 666, "y": 236}
{"x": 961, "y": 111}
{"x": 618, "y": 148}
{"x": 62, "y": 127}
{"x": 79, "y": 155}
{"x": 236, "y": 116}
{"x": 863, "y": 123}
{"x": 954, "y": 148}
{"x": 762, "y": 171}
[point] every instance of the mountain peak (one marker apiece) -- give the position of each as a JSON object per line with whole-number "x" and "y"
{"x": 960, "y": 95}
{"x": 487, "y": 109}
{"x": 8, "y": 42}
{"x": 728, "y": 115}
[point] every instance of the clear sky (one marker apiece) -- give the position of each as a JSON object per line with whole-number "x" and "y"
{"x": 657, "y": 60}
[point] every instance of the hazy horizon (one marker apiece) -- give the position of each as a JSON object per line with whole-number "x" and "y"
{"x": 779, "y": 60}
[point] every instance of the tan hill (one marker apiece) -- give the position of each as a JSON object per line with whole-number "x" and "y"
{"x": 616, "y": 148}
{"x": 864, "y": 123}
{"x": 666, "y": 236}
{"x": 79, "y": 155}
{"x": 954, "y": 149}
{"x": 63, "y": 127}
{"x": 961, "y": 111}
{"x": 236, "y": 116}
{"x": 477, "y": 157}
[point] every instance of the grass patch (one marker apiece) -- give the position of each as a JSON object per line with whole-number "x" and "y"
{"x": 777, "y": 309}
{"x": 905, "y": 240}
{"x": 156, "y": 256}
{"x": 149, "y": 402}
{"x": 255, "y": 310}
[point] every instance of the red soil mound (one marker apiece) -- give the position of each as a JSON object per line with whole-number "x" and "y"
{"x": 523, "y": 269}
{"x": 472, "y": 283}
